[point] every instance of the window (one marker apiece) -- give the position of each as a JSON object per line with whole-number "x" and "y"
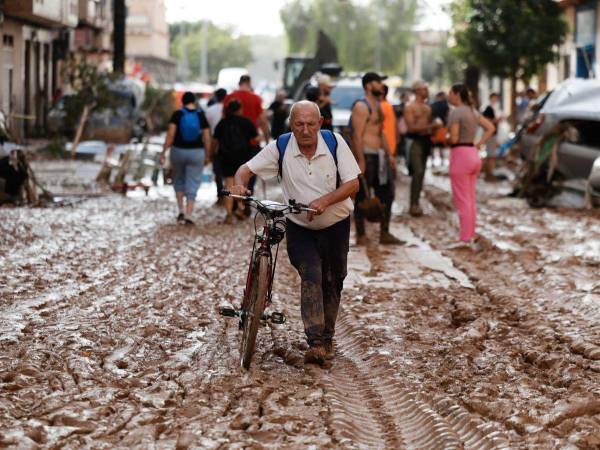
{"x": 8, "y": 40}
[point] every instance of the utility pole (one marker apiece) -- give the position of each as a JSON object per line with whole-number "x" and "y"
{"x": 378, "y": 20}
{"x": 119, "y": 18}
{"x": 204, "y": 53}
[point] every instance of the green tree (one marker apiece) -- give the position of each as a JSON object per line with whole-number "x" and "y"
{"x": 512, "y": 39}
{"x": 363, "y": 33}
{"x": 224, "y": 48}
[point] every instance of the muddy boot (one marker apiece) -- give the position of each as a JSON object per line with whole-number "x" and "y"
{"x": 387, "y": 238}
{"x": 329, "y": 351}
{"x": 228, "y": 219}
{"x": 315, "y": 355}
{"x": 415, "y": 211}
{"x": 181, "y": 218}
{"x": 361, "y": 240}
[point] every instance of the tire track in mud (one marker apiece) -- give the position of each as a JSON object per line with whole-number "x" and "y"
{"x": 371, "y": 409}
{"x": 581, "y": 335}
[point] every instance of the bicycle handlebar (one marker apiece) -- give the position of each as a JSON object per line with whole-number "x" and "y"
{"x": 294, "y": 206}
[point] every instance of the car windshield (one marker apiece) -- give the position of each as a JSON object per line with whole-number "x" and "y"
{"x": 344, "y": 96}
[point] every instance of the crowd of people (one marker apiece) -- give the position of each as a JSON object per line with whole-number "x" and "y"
{"x": 336, "y": 175}
{"x": 229, "y": 131}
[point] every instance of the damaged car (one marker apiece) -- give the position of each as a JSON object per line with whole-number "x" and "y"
{"x": 561, "y": 144}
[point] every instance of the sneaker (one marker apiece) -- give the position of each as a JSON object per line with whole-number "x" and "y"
{"x": 188, "y": 221}
{"x": 315, "y": 355}
{"x": 361, "y": 240}
{"x": 180, "y": 218}
{"x": 386, "y": 238}
{"x": 415, "y": 211}
{"x": 329, "y": 351}
{"x": 228, "y": 219}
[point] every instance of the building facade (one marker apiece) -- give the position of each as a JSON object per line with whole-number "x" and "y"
{"x": 580, "y": 55}
{"x": 33, "y": 43}
{"x": 147, "y": 41}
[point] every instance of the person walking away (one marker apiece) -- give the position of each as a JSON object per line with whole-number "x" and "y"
{"x": 419, "y": 123}
{"x": 493, "y": 113}
{"x": 187, "y": 135}
{"x": 234, "y": 137}
{"x": 251, "y": 109}
{"x": 214, "y": 114}
{"x": 390, "y": 124}
{"x": 439, "y": 112}
{"x": 465, "y": 163}
{"x": 373, "y": 156}
{"x": 325, "y": 101}
{"x": 317, "y": 244}
{"x": 251, "y": 105}
{"x": 278, "y": 114}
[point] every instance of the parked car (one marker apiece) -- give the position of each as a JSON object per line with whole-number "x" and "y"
{"x": 120, "y": 122}
{"x": 344, "y": 94}
{"x": 571, "y": 112}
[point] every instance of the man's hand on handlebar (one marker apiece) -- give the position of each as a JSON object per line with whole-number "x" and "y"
{"x": 319, "y": 205}
{"x": 239, "y": 190}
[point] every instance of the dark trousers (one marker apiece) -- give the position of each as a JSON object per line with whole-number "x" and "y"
{"x": 320, "y": 257}
{"x": 384, "y": 192}
{"x": 417, "y": 164}
{"x": 218, "y": 175}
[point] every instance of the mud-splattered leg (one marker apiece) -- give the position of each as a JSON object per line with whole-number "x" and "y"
{"x": 334, "y": 243}
{"x": 304, "y": 256}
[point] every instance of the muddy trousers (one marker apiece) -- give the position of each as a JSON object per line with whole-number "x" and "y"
{"x": 417, "y": 164}
{"x": 384, "y": 192}
{"x": 320, "y": 257}
{"x": 465, "y": 165}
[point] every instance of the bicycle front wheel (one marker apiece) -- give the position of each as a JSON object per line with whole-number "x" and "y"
{"x": 254, "y": 309}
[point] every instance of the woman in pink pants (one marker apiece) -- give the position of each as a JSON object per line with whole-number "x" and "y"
{"x": 465, "y": 163}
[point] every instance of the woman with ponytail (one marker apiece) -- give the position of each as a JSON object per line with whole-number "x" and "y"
{"x": 465, "y": 163}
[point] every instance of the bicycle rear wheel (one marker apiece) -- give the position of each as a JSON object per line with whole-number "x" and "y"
{"x": 254, "y": 309}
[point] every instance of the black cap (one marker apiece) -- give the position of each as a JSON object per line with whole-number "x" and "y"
{"x": 372, "y": 76}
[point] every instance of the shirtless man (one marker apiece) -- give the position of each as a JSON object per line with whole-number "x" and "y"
{"x": 374, "y": 159}
{"x": 419, "y": 123}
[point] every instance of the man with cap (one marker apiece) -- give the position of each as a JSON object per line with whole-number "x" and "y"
{"x": 373, "y": 156}
{"x": 419, "y": 123}
{"x": 324, "y": 101}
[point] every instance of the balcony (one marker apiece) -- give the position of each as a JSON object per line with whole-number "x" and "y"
{"x": 94, "y": 13}
{"x": 48, "y": 13}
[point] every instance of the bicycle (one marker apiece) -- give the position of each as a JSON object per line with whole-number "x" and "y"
{"x": 261, "y": 270}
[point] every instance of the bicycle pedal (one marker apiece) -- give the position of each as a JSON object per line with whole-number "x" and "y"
{"x": 228, "y": 312}
{"x": 277, "y": 318}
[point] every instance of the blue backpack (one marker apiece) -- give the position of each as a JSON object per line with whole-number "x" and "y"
{"x": 328, "y": 137}
{"x": 189, "y": 125}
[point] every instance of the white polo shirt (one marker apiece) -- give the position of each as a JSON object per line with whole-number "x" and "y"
{"x": 306, "y": 180}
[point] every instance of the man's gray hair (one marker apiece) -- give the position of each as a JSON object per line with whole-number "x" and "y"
{"x": 302, "y": 103}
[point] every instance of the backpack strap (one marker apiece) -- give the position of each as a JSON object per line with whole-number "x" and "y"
{"x": 329, "y": 138}
{"x": 332, "y": 145}
{"x": 282, "y": 143}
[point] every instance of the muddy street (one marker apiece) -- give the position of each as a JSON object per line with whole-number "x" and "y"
{"x": 110, "y": 336}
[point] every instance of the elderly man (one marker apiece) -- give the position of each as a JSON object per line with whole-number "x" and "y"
{"x": 317, "y": 243}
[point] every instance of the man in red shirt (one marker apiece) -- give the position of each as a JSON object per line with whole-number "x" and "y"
{"x": 251, "y": 105}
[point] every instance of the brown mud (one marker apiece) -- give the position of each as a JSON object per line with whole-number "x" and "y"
{"x": 110, "y": 338}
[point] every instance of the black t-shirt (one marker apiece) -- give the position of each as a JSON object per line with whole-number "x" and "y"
{"x": 179, "y": 142}
{"x": 440, "y": 110}
{"x": 489, "y": 113}
{"x": 327, "y": 115}
{"x": 278, "y": 120}
{"x": 247, "y": 131}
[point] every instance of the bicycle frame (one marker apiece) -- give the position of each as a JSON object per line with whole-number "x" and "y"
{"x": 265, "y": 241}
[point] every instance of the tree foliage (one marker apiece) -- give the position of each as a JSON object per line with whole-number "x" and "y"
{"x": 224, "y": 48}
{"x": 511, "y": 38}
{"x": 355, "y": 27}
